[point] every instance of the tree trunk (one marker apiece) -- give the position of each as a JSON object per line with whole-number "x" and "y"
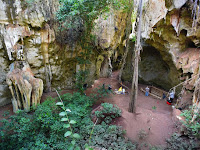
{"x": 128, "y": 32}
{"x": 134, "y": 89}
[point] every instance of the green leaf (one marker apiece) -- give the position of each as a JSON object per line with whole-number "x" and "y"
{"x": 62, "y": 114}
{"x": 64, "y": 119}
{"x": 77, "y": 148}
{"x": 70, "y": 147}
{"x": 73, "y": 142}
{"x": 68, "y": 110}
{"x": 72, "y": 122}
{"x": 68, "y": 133}
{"x": 66, "y": 125}
{"x": 59, "y": 103}
{"x": 75, "y": 135}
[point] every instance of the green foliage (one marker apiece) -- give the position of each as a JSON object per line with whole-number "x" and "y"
{"x": 133, "y": 39}
{"x": 43, "y": 129}
{"x": 6, "y": 113}
{"x": 154, "y": 107}
{"x": 108, "y": 137}
{"x": 108, "y": 112}
{"x": 192, "y": 127}
{"x": 69, "y": 133}
{"x": 81, "y": 11}
{"x": 176, "y": 142}
{"x": 100, "y": 92}
{"x": 81, "y": 80}
{"x": 38, "y": 130}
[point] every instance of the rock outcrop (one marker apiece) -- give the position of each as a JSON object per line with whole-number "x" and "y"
{"x": 26, "y": 90}
{"x": 167, "y": 29}
{"x": 49, "y": 56}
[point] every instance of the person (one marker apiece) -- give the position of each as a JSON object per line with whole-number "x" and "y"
{"x": 109, "y": 87}
{"x": 169, "y": 102}
{"x": 123, "y": 91}
{"x": 164, "y": 96}
{"x": 85, "y": 86}
{"x": 147, "y": 91}
{"x": 171, "y": 95}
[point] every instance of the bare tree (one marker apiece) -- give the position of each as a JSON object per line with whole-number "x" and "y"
{"x": 135, "y": 59}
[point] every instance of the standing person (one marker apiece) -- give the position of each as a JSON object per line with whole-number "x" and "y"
{"x": 147, "y": 91}
{"x": 171, "y": 95}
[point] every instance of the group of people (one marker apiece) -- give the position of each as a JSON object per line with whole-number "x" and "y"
{"x": 169, "y": 99}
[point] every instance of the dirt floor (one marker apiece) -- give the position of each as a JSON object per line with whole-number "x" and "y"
{"x": 147, "y": 127}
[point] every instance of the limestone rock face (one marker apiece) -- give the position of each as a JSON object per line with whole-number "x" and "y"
{"x": 188, "y": 61}
{"x": 26, "y": 90}
{"x": 110, "y": 31}
{"x": 32, "y": 24}
{"x": 5, "y": 96}
{"x": 167, "y": 26}
{"x": 109, "y": 34}
{"x": 155, "y": 10}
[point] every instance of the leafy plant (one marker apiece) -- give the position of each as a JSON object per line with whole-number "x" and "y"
{"x": 68, "y": 125}
{"x": 108, "y": 112}
{"x": 81, "y": 80}
{"x": 38, "y": 130}
{"x": 154, "y": 107}
{"x": 193, "y": 128}
{"x": 6, "y": 113}
{"x": 178, "y": 142}
{"x": 100, "y": 92}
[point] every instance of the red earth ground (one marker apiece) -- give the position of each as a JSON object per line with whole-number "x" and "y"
{"x": 147, "y": 126}
{"x": 157, "y": 124}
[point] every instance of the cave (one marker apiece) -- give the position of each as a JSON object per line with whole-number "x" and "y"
{"x": 153, "y": 70}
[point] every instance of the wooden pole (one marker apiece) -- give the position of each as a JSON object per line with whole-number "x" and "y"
{"x": 134, "y": 89}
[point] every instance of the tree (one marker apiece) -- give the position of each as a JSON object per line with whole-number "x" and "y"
{"x": 135, "y": 59}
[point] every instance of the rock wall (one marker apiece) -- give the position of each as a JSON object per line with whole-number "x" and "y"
{"x": 33, "y": 24}
{"x": 167, "y": 29}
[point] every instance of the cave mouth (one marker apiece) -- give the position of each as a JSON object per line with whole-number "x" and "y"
{"x": 153, "y": 70}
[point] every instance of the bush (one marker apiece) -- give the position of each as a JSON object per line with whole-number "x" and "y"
{"x": 108, "y": 112}
{"x": 178, "y": 142}
{"x": 40, "y": 130}
{"x": 193, "y": 128}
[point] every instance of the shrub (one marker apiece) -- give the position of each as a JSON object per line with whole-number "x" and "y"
{"x": 108, "y": 112}
{"x": 193, "y": 128}
{"x": 178, "y": 142}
